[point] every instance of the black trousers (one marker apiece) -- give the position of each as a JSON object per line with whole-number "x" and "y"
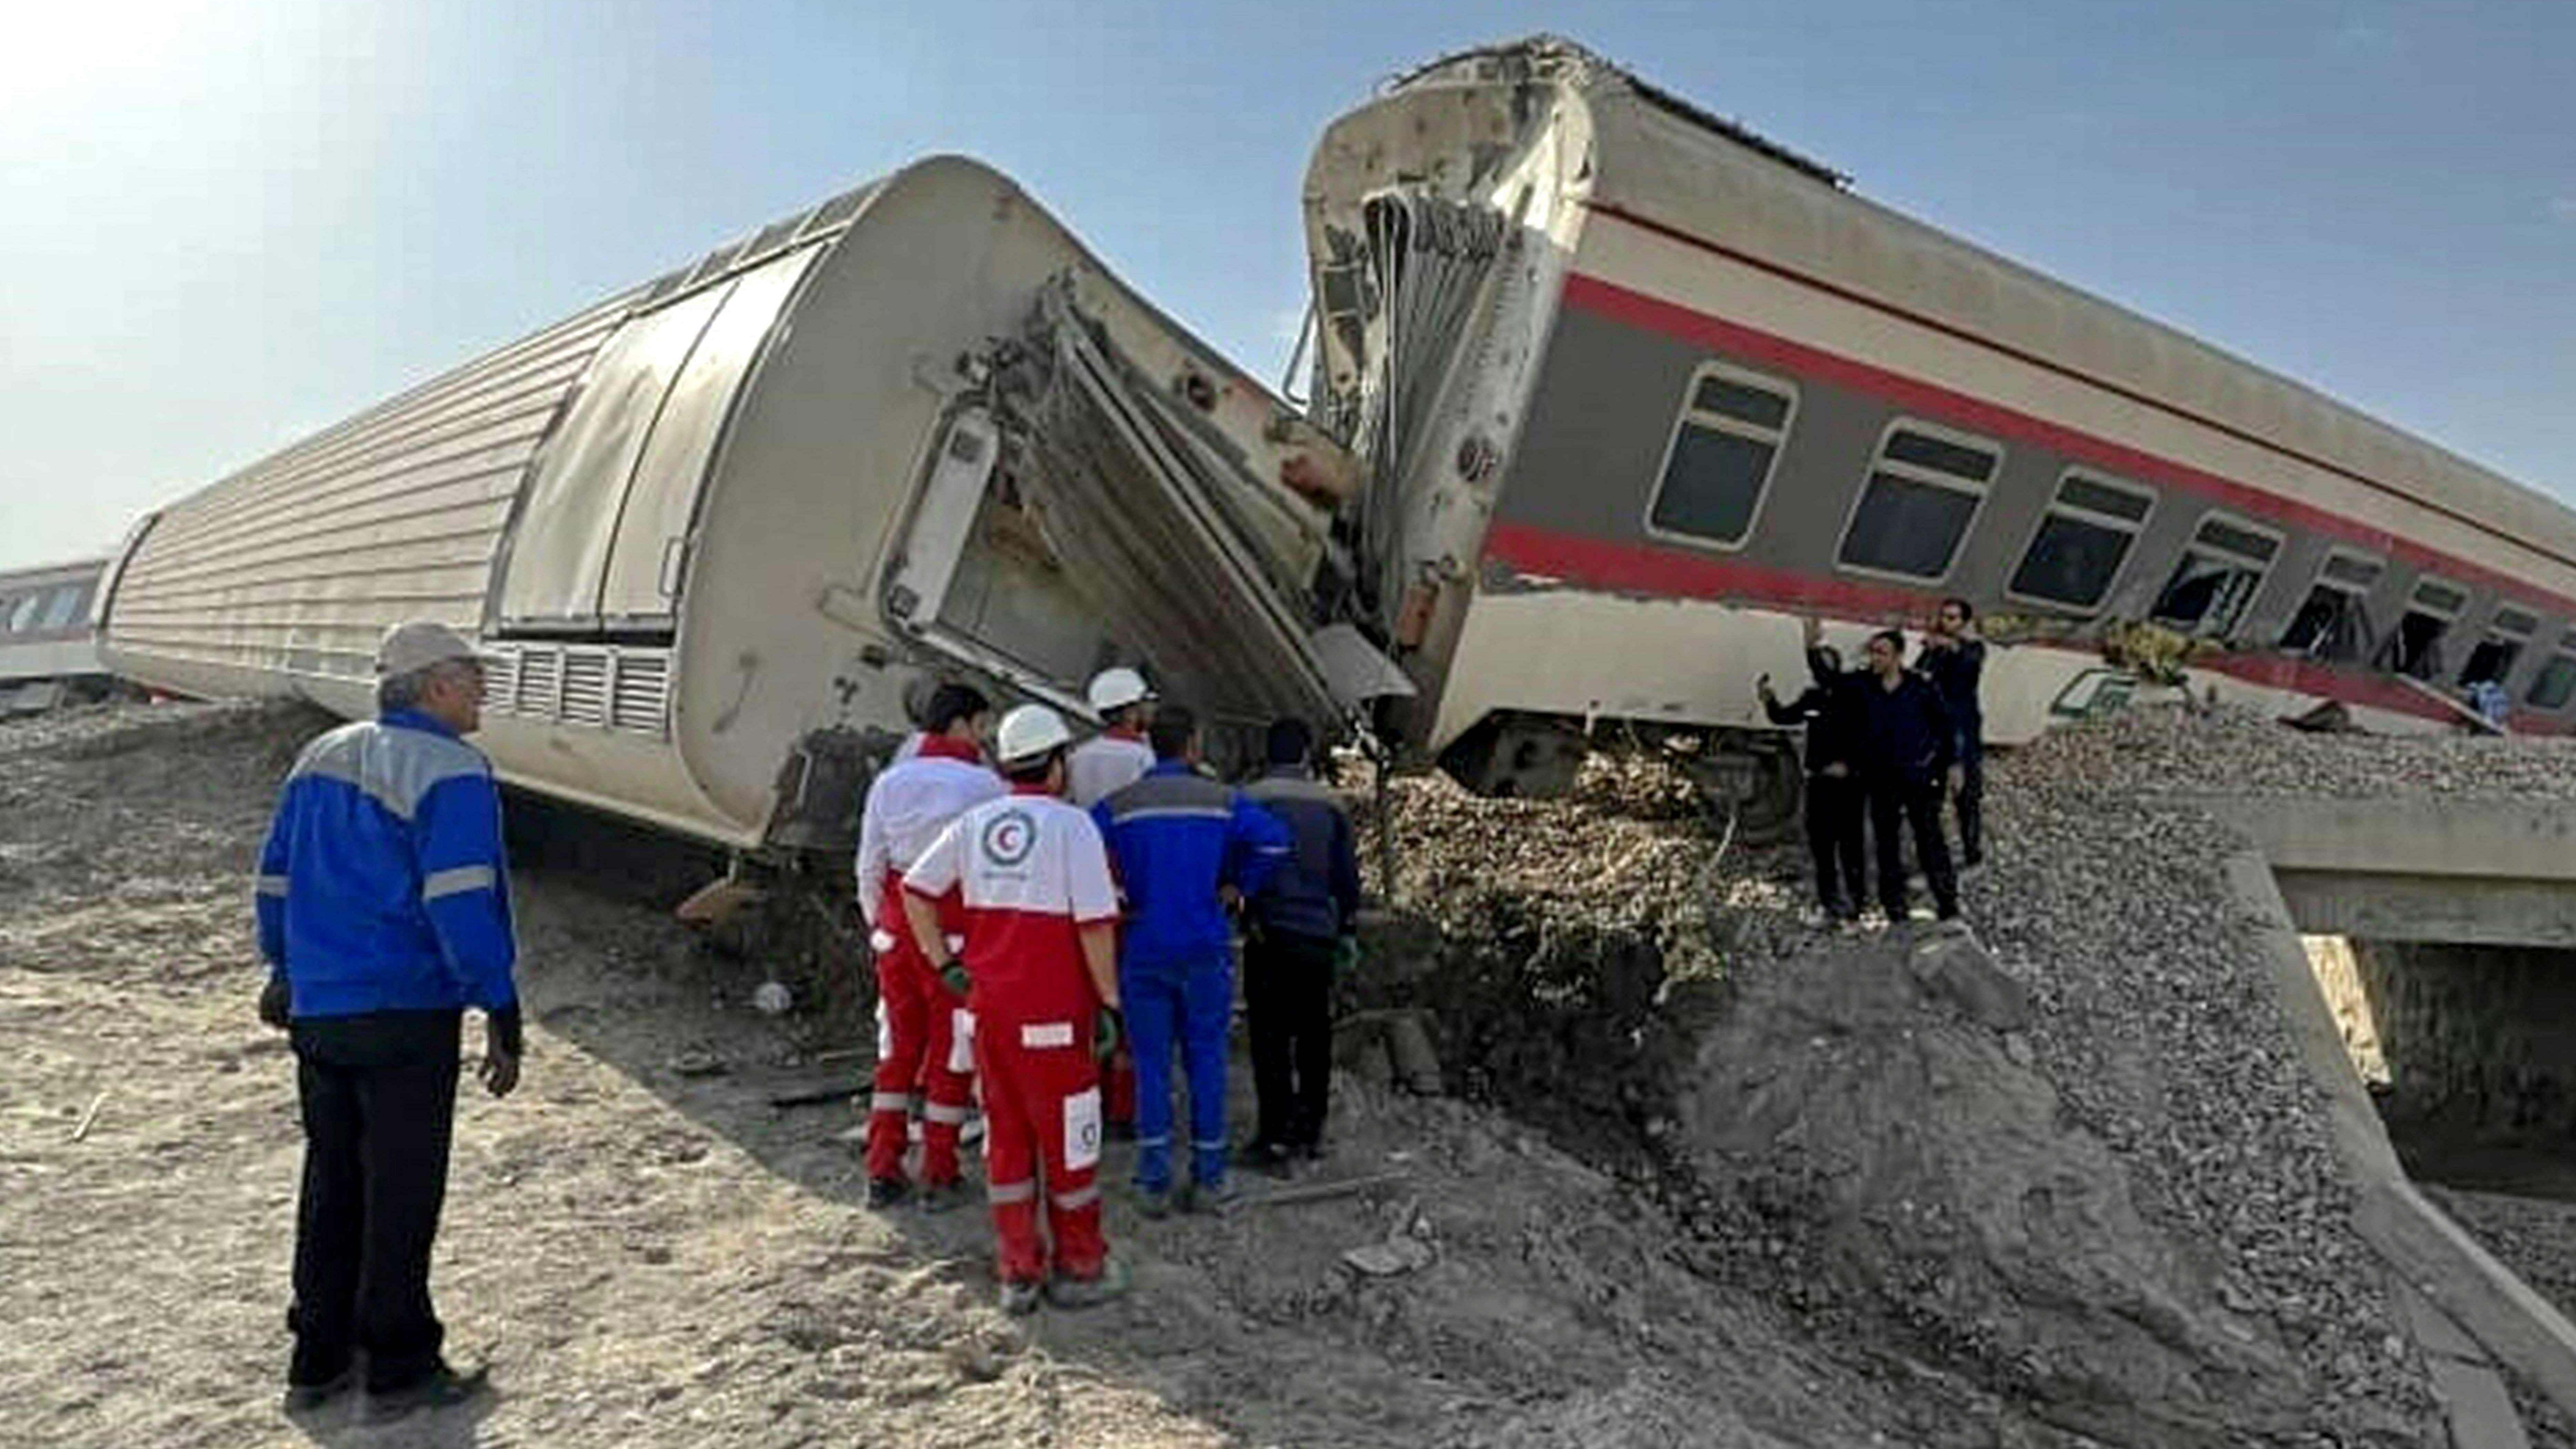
{"x": 379, "y": 1100}
{"x": 1894, "y": 806}
{"x": 1288, "y": 993}
{"x": 1834, "y": 837}
{"x": 1969, "y": 800}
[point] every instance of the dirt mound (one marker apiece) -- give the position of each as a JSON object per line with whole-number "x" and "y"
{"x": 2125, "y": 1210}
{"x": 1912, "y": 1159}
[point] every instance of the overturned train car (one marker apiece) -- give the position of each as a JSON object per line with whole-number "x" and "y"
{"x": 715, "y": 530}
{"x": 1635, "y": 388}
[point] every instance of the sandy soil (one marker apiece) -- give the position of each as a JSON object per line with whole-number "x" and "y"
{"x": 649, "y": 1254}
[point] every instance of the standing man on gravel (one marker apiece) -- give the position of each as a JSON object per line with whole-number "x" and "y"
{"x": 925, "y": 1035}
{"x": 1306, "y": 915}
{"x": 1040, "y": 972}
{"x": 1954, "y": 659}
{"x": 1906, "y": 755}
{"x": 384, "y": 912}
{"x": 1183, "y": 845}
{"x": 1829, "y": 708}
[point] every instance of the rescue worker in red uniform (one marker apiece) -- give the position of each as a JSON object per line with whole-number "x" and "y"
{"x": 1040, "y": 968}
{"x": 924, "y": 1055}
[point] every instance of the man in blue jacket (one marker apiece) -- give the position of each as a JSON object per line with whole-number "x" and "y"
{"x": 1307, "y": 913}
{"x": 384, "y": 912}
{"x": 1182, "y": 846}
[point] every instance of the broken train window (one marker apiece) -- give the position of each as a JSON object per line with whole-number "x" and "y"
{"x": 2331, "y": 624}
{"x": 2215, "y": 582}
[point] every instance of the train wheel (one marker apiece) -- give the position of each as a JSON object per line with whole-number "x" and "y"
{"x": 1758, "y": 782}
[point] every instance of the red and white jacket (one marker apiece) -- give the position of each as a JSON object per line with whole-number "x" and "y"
{"x": 907, "y": 807}
{"x": 1031, "y": 872}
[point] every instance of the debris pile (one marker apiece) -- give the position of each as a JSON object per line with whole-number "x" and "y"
{"x": 2126, "y": 1216}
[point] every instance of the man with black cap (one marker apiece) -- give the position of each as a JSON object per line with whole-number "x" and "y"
{"x": 384, "y": 912}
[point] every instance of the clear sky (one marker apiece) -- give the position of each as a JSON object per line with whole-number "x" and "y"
{"x": 225, "y": 225}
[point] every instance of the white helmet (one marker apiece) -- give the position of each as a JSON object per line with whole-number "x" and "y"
{"x": 1118, "y": 688}
{"x": 1027, "y": 733}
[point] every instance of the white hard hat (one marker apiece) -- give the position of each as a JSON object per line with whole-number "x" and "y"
{"x": 1117, "y": 688}
{"x": 1029, "y": 732}
{"x": 412, "y": 647}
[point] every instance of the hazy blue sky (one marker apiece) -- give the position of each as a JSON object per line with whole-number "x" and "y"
{"x": 225, "y": 225}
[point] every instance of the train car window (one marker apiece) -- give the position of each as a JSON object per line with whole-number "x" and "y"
{"x": 2331, "y": 624}
{"x": 1723, "y": 450}
{"x": 2555, "y": 684}
{"x": 2218, "y": 575}
{"x": 2492, "y": 661}
{"x": 2415, "y": 650}
{"x": 1922, "y": 492}
{"x": 2082, "y": 540}
{"x": 59, "y": 607}
{"x": 22, "y": 613}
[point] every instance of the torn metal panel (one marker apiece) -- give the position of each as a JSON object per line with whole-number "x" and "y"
{"x": 1156, "y": 527}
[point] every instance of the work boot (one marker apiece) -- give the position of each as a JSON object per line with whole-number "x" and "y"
{"x": 441, "y": 1388}
{"x": 1020, "y": 1299}
{"x": 1214, "y": 1199}
{"x": 1270, "y": 1157}
{"x": 941, "y": 1197}
{"x": 306, "y": 1398}
{"x": 1110, "y": 1282}
{"x": 885, "y": 1192}
{"x": 1154, "y": 1202}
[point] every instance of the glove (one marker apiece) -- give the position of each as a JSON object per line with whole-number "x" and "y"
{"x": 1108, "y": 1028}
{"x": 1346, "y": 955}
{"x": 953, "y": 972}
{"x": 505, "y": 1030}
{"x": 277, "y": 1003}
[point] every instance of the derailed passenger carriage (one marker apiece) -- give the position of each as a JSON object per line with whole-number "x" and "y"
{"x": 1635, "y": 388}
{"x": 48, "y": 650}
{"x": 714, "y": 531}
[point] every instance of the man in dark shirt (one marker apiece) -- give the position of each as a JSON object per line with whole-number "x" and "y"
{"x": 1907, "y": 750}
{"x": 1954, "y": 659}
{"x": 1829, "y": 708}
{"x": 1306, "y": 913}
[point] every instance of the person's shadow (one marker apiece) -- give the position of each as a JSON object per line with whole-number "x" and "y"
{"x": 338, "y": 1424}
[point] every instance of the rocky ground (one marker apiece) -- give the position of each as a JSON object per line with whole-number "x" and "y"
{"x": 1709, "y": 1173}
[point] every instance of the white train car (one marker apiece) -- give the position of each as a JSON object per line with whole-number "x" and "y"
{"x": 1637, "y": 388}
{"x": 48, "y": 647}
{"x": 714, "y": 530}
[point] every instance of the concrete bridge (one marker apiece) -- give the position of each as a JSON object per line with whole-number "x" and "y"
{"x": 2462, "y": 915}
{"x": 2448, "y": 872}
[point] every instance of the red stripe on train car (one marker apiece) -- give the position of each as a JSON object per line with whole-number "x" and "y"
{"x": 1636, "y": 309}
{"x": 1593, "y": 563}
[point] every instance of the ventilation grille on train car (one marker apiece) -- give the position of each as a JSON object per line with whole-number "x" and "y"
{"x": 628, "y": 690}
{"x": 642, "y": 699}
{"x": 585, "y": 687}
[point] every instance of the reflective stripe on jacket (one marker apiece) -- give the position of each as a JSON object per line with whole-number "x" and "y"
{"x": 383, "y": 885}
{"x": 1174, "y": 838}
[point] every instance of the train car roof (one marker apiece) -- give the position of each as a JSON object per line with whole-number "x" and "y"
{"x": 75, "y": 571}
{"x": 1663, "y": 160}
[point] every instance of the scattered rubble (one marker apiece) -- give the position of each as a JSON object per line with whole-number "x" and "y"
{"x": 1796, "y": 1186}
